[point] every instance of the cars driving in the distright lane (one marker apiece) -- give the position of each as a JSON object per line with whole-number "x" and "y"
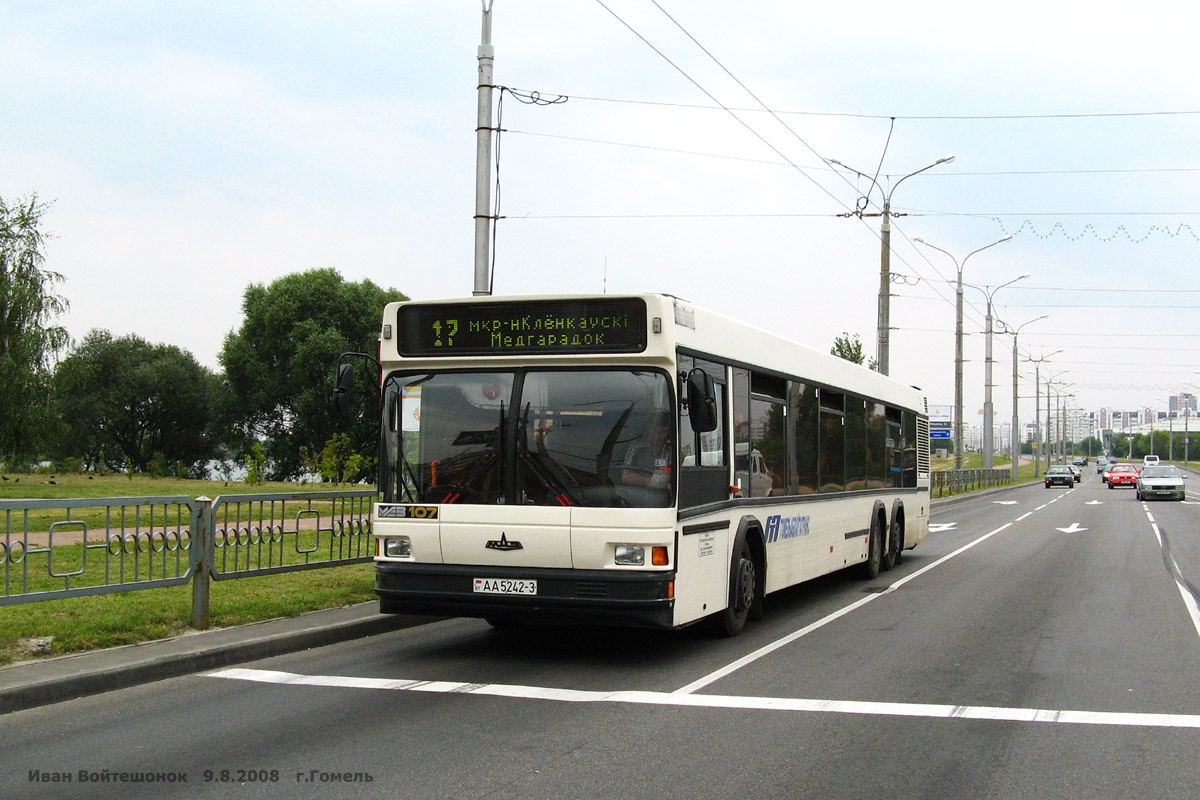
{"x": 1160, "y": 482}
{"x": 1061, "y": 475}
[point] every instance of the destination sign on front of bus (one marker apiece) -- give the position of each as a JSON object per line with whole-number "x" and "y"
{"x": 600, "y": 325}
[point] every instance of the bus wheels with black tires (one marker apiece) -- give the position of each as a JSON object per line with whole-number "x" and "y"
{"x": 874, "y": 562}
{"x": 744, "y": 574}
{"x": 895, "y": 544}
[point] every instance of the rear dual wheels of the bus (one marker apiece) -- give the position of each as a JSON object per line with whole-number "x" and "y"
{"x": 885, "y": 544}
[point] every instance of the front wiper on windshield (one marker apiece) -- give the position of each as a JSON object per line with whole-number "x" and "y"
{"x": 554, "y": 478}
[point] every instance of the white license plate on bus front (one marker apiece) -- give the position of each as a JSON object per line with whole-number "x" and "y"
{"x": 505, "y": 586}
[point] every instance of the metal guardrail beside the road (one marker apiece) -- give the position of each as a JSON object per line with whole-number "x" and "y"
{"x": 948, "y": 482}
{"x": 50, "y": 549}
{"x": 53, "y": 549}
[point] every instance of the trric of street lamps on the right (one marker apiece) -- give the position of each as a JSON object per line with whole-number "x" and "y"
{"x": 958, "y": 353}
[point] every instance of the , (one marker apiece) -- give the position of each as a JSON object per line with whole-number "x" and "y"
{"x": 1060, "y": 475}
{"x": 629, "y": 460}
{"x": 1160, "y": 482}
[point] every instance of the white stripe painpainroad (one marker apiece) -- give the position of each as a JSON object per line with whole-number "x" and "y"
{"x": 841, "y": 612}
{"x": 923, "y": 710}
{"x": 1189, "y": 600}
{"x": 686, "y": 697}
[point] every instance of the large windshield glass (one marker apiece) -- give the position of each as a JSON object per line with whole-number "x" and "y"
{"x": 586, "y": 437}
{"x": 1160, "y": 472}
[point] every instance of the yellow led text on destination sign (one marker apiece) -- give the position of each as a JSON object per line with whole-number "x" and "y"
{"x": 496, "y": 329}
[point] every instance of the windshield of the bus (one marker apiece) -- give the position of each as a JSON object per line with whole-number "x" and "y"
{"x": 552, "y": 437}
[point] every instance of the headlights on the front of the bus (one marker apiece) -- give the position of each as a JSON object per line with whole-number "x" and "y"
{"x": 397, "y": 547}
{"x": 634, "y": 555}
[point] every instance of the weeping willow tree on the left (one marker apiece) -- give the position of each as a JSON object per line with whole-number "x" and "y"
{"x": 29, "y": 341}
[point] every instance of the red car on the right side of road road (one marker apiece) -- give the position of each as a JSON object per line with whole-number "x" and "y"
{"x": 1122, "y": 475}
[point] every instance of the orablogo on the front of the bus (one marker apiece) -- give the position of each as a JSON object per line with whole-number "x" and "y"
{"x": 503, "y": 544}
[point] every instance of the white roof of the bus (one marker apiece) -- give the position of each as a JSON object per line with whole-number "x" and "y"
{"x": 747, "y": 344}
{"x": 742, "y": 342}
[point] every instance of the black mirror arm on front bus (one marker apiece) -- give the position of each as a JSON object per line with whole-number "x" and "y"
{"x": 702, "y": 401}
{"x": 343, "y": 390}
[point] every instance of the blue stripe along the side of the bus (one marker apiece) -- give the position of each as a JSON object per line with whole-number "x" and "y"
{"x": 783, "y": 500}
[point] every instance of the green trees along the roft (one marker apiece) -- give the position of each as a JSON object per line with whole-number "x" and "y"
{"x": 280, "y": 364}
{"x": 28, "y": 339}
{"x": 124, "y": 402}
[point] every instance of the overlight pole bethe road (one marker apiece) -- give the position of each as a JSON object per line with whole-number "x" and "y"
{"x": 483, "y": 158}
{"x": 1015, "y": 442}
{"x": 884, "y": 322}
{"x": 1059, "y": 435}
{"x": 1037, "y": 410}
{"x": 958, "y": 339}
{"x": 989, "y": 444}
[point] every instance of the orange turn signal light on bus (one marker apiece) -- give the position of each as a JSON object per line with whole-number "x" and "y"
{"x": 634, "y": 555}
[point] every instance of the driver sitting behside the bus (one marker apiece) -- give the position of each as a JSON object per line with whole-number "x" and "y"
{"x": 648, "y": 462}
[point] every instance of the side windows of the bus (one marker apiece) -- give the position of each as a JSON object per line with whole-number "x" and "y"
{"x": 909, "y": 456}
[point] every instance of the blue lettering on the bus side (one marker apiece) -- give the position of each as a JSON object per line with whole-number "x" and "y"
{"x": 780, "y": 527}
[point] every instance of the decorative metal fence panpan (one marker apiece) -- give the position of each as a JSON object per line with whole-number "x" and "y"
{"x": 956, "y": 481}
{"x": 51, "y": 549}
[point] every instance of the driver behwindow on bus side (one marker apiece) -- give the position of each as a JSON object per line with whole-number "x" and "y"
{"x": 704, "y": 476}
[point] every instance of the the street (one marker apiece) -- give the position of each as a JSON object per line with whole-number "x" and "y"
{"x": 1040, "y": 644}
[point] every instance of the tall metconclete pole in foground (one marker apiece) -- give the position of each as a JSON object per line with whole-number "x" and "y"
{"x": 1013, "y": 440}
{"x": 883, "y": 345}
{"x": 989, "y": 410}
{"x": 883, "y": 319}
{"x": 483, "y": 159}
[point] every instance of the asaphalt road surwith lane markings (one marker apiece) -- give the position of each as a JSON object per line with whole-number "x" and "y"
{"x": 1037, "y": 650}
